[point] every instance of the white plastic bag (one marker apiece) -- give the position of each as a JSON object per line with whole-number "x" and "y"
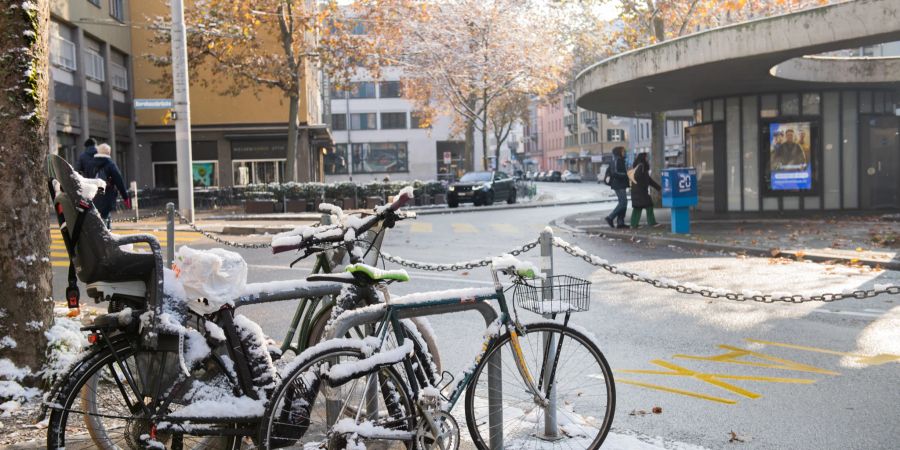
{"x": 211, "y": 278}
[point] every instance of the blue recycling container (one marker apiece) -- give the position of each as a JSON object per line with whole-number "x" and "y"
{"x": 679, "y": 192}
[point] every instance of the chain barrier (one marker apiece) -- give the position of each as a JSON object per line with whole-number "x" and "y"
{"x": 578, "y": 252}
{"x": 709, "y": 292}
{"x": 217, "y": 239}
{"x": 465, "y": 265}
{"x": 157, "y": 213}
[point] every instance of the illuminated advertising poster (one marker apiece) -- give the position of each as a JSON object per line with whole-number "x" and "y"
{"x": 790, "y": 163}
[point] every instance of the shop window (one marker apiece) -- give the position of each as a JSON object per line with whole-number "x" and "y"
{"x": 393, "y": 121}
{"x": 363, "y": 121}
{"x": 257, "y": 172}
{"x": 165, "y": 175}
{"x": 335, "y": 160}
{"x": 380, "y": 157}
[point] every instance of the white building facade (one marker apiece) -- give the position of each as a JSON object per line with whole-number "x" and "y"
{"x": 388, "y": 136}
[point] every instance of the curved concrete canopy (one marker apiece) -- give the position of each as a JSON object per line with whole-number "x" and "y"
{"x": 828, "y": 69}
{"x": 737, "y": 59}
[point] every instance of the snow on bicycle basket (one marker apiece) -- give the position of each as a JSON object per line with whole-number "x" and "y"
{"x": 551, "y": 295}
{"x": 211, "y": 278}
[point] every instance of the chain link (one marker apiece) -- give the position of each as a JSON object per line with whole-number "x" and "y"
{"x": 720, "y": 293}
{"x": 217, "y": 239}
{"x": 465, "y": 265}
{"x": 156, "y": 213}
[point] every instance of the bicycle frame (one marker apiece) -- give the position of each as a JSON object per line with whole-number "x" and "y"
{"x": 393, "y": 312}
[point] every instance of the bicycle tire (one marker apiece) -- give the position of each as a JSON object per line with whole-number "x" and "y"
{"x": 88, "y": 372}
{"x": 276, "y": 431}
{"x": 574, "y": 426}
{"x": 424, "y": 347}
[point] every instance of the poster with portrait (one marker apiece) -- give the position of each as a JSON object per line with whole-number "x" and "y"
{"x": 790, "y": 156}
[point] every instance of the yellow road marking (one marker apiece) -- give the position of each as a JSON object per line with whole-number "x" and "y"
{"x": 59, "y": 263}
{"x": 736, "y": 352}
{"x": 873, "y": 360}
{"x": 463, "y": 228}
{"x": 676, "y": 391}
{"x": 420, "y": 227}
{"x": 715, "y": 379}
{"x": 504, "y": 228}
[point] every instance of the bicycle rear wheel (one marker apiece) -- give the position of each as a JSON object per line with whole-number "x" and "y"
{"x": 584, "y": 392}
{"x": 97, "y": 408}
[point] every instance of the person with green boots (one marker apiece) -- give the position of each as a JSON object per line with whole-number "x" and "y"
{"x": 640, "y": 191}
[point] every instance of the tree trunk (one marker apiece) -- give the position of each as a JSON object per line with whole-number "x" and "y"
{"x": 470, "y": 136}
{"x": 484, "y": 127}
{"x": 26, "y": 306}
{"x": 290, "y": 163}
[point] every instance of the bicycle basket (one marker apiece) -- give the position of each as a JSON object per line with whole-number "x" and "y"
{"x": 556, "y": 294}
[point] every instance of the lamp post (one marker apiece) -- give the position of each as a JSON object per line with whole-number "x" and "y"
{"x": 182, "y": 112}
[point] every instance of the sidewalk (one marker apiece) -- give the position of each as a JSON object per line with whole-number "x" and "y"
{"x": 871, "y": 239}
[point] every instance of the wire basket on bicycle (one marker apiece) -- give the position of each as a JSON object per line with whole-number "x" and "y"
{"x": 552, "y": 295}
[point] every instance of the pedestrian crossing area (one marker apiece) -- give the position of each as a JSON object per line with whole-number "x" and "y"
{"x": 59, "y": 257}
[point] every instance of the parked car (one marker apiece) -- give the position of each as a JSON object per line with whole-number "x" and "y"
{"x": 571, "y": 177}
{"x": 554, "y": 175}
{"x": 482, "y": 188}
{"x": 539, "y": 176}
{"x": 530, "y": 175}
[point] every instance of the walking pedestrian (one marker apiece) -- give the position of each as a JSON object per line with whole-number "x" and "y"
{"x": 105, "y": 169}
{"x": 640, "y": 191}
{"x": 84, "y": 164}
{"x": 618, "y": 181}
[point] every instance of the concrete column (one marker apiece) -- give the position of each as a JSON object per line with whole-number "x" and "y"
{"x": 658, "y": 143}
{"x": 81, "y": 82}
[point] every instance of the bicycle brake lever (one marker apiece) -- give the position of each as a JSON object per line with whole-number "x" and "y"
{"x": 306, "y": 253}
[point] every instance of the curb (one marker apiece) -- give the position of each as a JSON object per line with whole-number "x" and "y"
{"x": 893, "y": 264}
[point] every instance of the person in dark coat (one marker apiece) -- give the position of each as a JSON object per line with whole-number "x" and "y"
{"x": 105, "y": 169}
{"x": 85, "y": 162}
{"x": 618, "y": 181}
{"x": 640, "y": 191}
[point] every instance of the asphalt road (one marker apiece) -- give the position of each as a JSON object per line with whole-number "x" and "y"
{"x": 775, "y": 375}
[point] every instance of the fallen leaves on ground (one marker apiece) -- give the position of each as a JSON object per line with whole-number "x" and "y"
{"x": 733, "y": 437}
{"x": 657, "y": 410}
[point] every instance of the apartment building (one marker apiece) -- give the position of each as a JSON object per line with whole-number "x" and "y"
{"x": 91, "y": 79}
{"x": 640, "y": 142}
{"x": 552, "y": 134}
{"x": 235, "y": 140}
{"x": 388, "y": 137}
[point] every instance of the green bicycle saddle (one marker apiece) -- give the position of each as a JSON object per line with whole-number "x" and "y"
{"x": 376, "y": 274}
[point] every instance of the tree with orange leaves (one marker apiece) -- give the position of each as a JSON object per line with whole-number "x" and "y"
{"x": 276, "y": 44}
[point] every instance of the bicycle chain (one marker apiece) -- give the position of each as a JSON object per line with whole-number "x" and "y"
{"x": 709, "y": 292}
{"x": 454, "y": 267}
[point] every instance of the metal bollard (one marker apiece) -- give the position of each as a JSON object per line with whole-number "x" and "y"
{"x": 551, "y": 431}
{"x": 170, "y": 233}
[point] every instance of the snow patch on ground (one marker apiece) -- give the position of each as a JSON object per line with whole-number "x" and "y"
{"x": 881, "y": 337}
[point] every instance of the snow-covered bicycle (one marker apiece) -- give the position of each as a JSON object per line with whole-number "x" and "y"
{"x": 178, "y": 374}
{"x": 537, "y": 385}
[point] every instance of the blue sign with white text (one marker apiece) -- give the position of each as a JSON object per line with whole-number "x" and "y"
{"x": 679, "y": 187}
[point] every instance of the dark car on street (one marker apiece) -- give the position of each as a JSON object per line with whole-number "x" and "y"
{"x": 482, "y": 188}
{"x": 554, "y": 175}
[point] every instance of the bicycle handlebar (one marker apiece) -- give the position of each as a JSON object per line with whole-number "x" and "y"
{"x": 338, "y": 232}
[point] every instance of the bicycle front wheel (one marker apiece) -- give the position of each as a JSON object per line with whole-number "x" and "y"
{"x": 581, "y": 399}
